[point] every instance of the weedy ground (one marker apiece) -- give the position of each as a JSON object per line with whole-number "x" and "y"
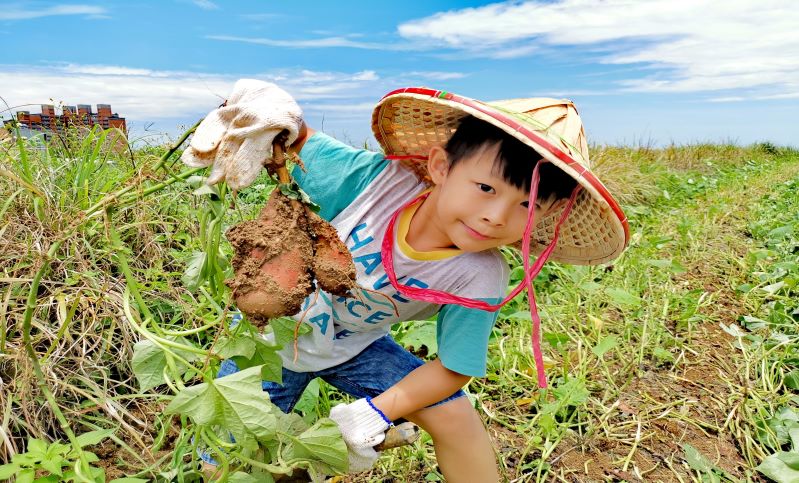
{"x": 678, "y": 362}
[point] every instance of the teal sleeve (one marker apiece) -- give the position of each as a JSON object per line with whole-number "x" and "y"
{"x": 335, "y": 173}
{"x": 462, "y": 335}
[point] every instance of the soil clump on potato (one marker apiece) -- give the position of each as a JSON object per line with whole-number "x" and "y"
{"x": 280, "y": 254}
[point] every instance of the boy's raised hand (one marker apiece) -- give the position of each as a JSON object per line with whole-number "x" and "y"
{"x": 362, "y": 427}
{"x": 237, "y": 137}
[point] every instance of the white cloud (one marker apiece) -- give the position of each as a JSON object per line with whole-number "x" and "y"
{"x": 148, "y": 95}
{"x": 702, "y": 45}
{"x": 787, "y": 95}
{"x": 17, "y": 12}
{"x": 324, "y": 42}
{"x": 205, "y": 4}
{"x": 111, "y": 70}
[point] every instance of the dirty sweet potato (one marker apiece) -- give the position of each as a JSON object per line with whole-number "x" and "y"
{"x": 279, "y": 255}
{"x": 273, "y": 260}
{"x": 332, "y": 262}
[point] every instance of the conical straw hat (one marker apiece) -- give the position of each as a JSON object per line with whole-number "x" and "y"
{"x": 408, "y": 122}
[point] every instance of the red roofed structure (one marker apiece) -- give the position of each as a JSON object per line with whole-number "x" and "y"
{"x": 48, "y": 122}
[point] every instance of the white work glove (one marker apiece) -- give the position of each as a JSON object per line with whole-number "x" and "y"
{"x": 363, "y": 428}
{"x": 237, "y": 137}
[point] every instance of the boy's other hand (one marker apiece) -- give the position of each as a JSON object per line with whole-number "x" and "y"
{"x": 237, "y": 137}
{"x": 362, "y": 428}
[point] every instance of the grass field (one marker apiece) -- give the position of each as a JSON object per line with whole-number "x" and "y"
{"x": 678, "y": 362}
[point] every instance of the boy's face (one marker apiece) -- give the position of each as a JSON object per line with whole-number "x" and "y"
{"x": 474, "y": 207}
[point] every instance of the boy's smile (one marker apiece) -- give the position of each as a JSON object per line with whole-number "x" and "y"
{"x": 472, "y": 207}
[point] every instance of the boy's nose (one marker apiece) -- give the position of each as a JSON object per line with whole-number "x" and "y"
{"x": 496, "y": 215}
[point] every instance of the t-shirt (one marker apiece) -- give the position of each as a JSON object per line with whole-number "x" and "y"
{"x": 359, "y": 191}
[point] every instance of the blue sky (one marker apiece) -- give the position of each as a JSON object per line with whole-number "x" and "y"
{"x": 655, "y": 71}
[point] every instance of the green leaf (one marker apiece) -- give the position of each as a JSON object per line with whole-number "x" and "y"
{"x": 773, "y": 288}
{"x": 89, "y": 456}
{"x": 623, "y": 297}
{"x": 292, "y": 190}
{"x": 8, "y": 470}
{"x": 264, "y": 354}
{"x": 241, "y": 477}
{"x": 732, "y": 329}
{"x": 193, "y": 276}
{"x": 662, "y": 354}
{"x": 696, "y": 460}
{"x": 521, "y": 315}
{"x": 752, "y": 323}
{"x": 776, "y": 468}
{"x": 547, "y": 421}
{"x": 53, "y": 464}
{"x": 26, "y": 476}
{"x": 590, "y": 286}
{"x": 323, "y": 442}
{"x": 421, "y": 333}
{"x": 572, "y": 393}
{"x": 205, "y": 189}
{"x": 291, "y": 423}
{"x": 238, "y": 345}
{"x": 556, "y": 339}
{"x": 781, "y": 231}
{"x": 790, "y": 458}
{"x": 94, "y": 437}
{"x": 149, "y": 361}
{"x": 309, "y": 398}
{"x": 235, "y": 402}
{"x": 607, "y": 343}
{"x": 283, "y": 328}
{"x": 49, "y": 479}
{"x": 791, "y": 380}
{"x": 667, "y": 264}
{"x": 37, "y": 447}
{"x": 128, "y": 479}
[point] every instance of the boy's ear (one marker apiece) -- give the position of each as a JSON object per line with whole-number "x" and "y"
{"x": 437, "y": 164}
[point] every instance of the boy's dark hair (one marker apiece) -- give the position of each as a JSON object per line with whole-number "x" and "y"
{"x": 515, "y": 160}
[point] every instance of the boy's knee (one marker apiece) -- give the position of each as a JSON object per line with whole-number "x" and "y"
{"x": 453, "y": 419}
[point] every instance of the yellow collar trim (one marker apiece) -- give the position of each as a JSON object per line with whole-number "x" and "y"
{"x": 402, "y": 234}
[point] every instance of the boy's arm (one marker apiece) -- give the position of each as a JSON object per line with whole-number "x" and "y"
{"x": 363, "y": 422}
{"x": 334, "y": 173}
{"x": 424, "y": 386}
{"x": 304, "y": 133}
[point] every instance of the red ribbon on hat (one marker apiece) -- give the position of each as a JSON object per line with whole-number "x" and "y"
{"x": 530, "y": 271}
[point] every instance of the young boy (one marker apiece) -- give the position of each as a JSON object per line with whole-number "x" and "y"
{"x": 479, "y": 160}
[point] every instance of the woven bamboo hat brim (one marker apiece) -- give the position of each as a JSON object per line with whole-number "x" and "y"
{"x": 408, "y": 122}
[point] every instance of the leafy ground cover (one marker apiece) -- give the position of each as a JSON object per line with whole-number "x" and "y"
{"x": 676, "y": 363}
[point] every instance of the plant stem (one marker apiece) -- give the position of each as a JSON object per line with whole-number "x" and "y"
{"x": 30, "y": 306}
{"x": 176, "y": 146}
{"x": 108, "y": 199}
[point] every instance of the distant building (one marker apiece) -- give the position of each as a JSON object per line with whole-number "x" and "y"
{"x": 48, "y": 122}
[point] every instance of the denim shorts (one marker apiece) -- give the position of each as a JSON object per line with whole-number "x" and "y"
{"x": 378, "y": 367}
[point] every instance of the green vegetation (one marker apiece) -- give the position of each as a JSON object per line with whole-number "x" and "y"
{"x": 679, "y": 362}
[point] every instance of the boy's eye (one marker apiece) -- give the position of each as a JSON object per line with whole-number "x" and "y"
{"x": 485, "y": 188}
{"x": 526, "y": 204}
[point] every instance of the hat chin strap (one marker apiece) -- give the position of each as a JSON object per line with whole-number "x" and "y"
{"x": 530, "y": 271}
